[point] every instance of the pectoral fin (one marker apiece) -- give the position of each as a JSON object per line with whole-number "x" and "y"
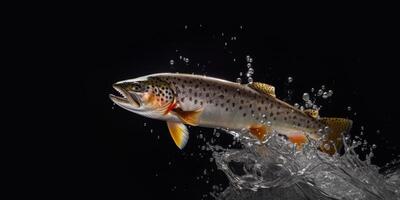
{"x": 179, "y": 133}
{"x": 189, "y": 117}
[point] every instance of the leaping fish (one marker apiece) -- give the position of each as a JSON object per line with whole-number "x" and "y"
{"x": 196, "y": 100}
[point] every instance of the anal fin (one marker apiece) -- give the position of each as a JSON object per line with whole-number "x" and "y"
{"x": 260, "y": 131}
{"x": 179, "y": 133}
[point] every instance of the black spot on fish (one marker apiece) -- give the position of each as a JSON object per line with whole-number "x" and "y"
{"x": 190, "y": 90}
{"x": 279, "y": 107}
{"x": 162, "y": 99}
{"x": 190, "y": 99}
{"x": 195, "y": 94}
{"x": 308, "y": 121}
{"x": 207, "y": 95}
{"x": 183, "y": 86}
{"x": 252, "y": 111}
{"x": 250, "y": 105}
{"x": 274, "y": 118}
{"x": 294, "y": 117}
{"x": 201, "y": 103}
{"x": 241, "y": 101}
{"x": 226, "y": 109}
{"x": 195, "y": 101}
{"x": 222, "y": 105}
{"x": 204, "y": 89}
{"x": 259, "y": 108}
{"x": 221, "y": 96}
{"x": 271, "y": 105}
{"x": 285, "y": 118}
{"x": 219, "y": 87}
{"x": 277, "y": 113}
{"x": 262, "y": 102}
{"x": 227, "y": 101}
{"x": 271, "y": 114}
{"x": 196, "y": 86}
{"x": 244, "y": 114}
{"x": 240, "y": 107}
{"x": 298, "y": 124}
{"x": 233, "y": 104}
{"x": 226, "y": 90}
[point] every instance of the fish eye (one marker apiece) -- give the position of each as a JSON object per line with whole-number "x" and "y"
{"x": 137, "y": 87}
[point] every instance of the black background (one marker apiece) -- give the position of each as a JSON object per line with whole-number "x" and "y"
{"x": 111, "y": 151}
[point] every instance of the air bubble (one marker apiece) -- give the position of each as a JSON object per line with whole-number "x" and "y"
{"x": 250, "y": 80}
{"x": 348, "y": 108}
{"x": 145, "y": 124}
{"x": 320, "y": 92}
{"x": 306, "y": 97}
{"x": 269, "y": 123}
{"x": 248, "y": 65}
{"x": 186, "y": 60}
{"x": 171, "y": 62}
{"x": 290, "y": 79}
{"x": 251, "y": 71}
{"x": 296, "y": 105}
{"x": 325, "y": 95}
{"x": 239, "y": 80}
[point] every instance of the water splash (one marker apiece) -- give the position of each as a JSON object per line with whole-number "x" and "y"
{"x": 276, "y": 170}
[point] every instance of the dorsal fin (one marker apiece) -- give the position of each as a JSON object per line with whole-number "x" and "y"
{"x": 263, "y": 88}
{"x": 312, "y": 113}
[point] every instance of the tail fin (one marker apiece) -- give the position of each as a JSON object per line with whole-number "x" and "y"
{"x": 337, "y": 128}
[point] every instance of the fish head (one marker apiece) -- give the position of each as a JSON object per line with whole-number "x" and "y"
{"x": 144, "y": 95}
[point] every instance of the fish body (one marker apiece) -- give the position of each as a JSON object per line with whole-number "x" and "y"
{"x": 216, "y": 103}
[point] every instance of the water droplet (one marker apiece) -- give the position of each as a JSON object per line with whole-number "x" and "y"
{"x": 374, "y": 146}
{"x": 180, "y": 57}
{"x": 296, "y": 105}
{"x": 241, "y": 27}
{"x": 269, "y": 123}
{"x": 151, "y": 130}
{"x": 348, "y": 108}
{"x": 158, "y": 137}
{"x": 323, "y": 87}
{"x": 239, "y": 80}
{"x": 171, "y": 62}
{"x": 186, "y": 60}
{"x": 186, "y": 26}
{"x": 226, "y": 44}
{"x": 312, "y": 89}
{"x": 222, "y": 34}
{"x": 234, "y": 60}
{"x": 248, "y": 65}
{"x": 319, "y": 93}
{"x": 306, "y": 97}
{"x": 241, "y": 74}
{"x": 250, "y": 80}
{"x": 248, "y": 58}
{"x": 290, "y": 79}
{"x": 325, "y": 95}
{"x": 330, "y": 93}
{"x": 301, "y": 108}
{"x": 251, "y": 71}
{"x": 217, "y": 134}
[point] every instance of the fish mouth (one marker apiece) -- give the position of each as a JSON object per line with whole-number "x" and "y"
{"x": 126, "y": 99}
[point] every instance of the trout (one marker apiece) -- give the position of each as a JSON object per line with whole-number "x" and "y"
{"x": 253, "y": 109}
